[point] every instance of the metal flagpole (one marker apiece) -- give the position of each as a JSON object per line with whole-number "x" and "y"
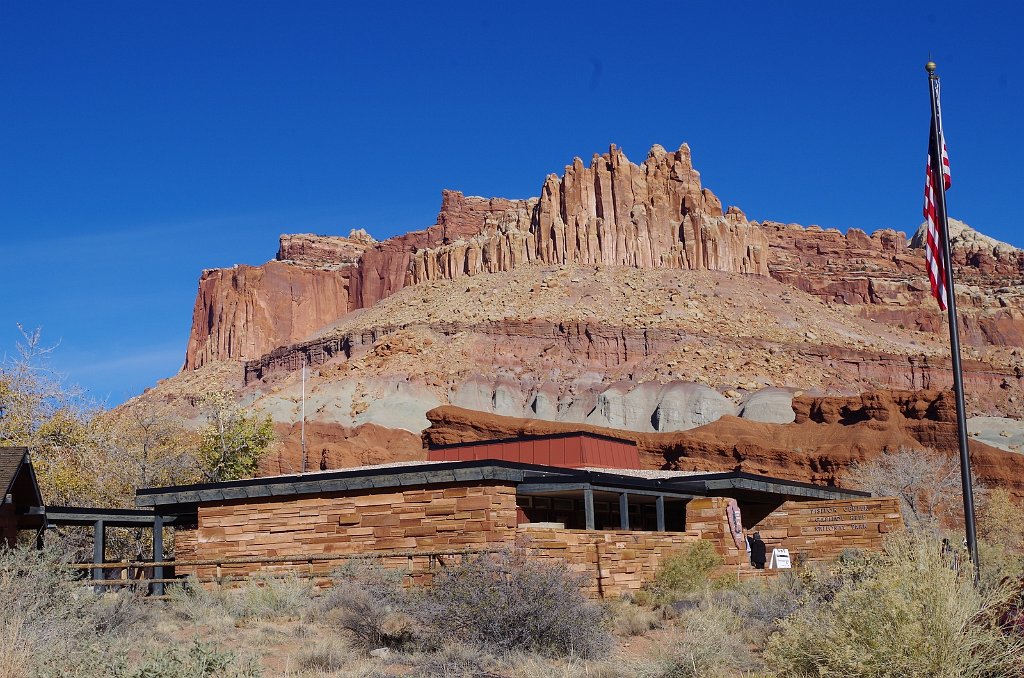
{"x": 939, "y": 186}
{"x": 304, "y": 458}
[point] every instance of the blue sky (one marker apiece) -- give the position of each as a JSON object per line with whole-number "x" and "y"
{"x": 141, "y": 142}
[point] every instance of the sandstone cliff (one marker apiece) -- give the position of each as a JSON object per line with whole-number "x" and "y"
{"x": 612, "y": 212}
{"x": 615, "y": 212}
{"x": 883, "y": 278}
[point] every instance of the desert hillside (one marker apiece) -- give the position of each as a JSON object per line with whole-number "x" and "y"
{"x": 624, "y": 296}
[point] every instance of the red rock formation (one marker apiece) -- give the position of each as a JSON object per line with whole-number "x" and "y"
{"x": 828, "y": 436}
{"x": 887, "y": 279}
{"x": 655, "y": 214}
{"x": 324, "y": 251}
{"x": 245, "y": 311}
{"x": 332, "y": 446}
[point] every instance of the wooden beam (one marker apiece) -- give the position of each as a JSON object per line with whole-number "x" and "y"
{"x": 99, "y": 543}
{"x": 659, "y": 508}
{"x": 588, "y": 506}
{"x": 158, "y": 554}
{"x": 547, "y": 488}
{"x": 624, "y": 511}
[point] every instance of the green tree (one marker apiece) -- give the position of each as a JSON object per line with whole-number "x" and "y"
{"x": 234, "y": 439}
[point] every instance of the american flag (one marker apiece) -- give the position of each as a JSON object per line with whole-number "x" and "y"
{"x": 933, "y": 247}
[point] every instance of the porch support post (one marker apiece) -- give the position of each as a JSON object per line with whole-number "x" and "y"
{"x": 158, "y": 554}
{"x": 659, "y": 507}
{"x": 624, "y": 511}
{"x": 588, "y": 506}
{"x": 99, "y": 544}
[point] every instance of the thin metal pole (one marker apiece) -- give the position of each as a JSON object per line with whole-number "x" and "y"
{"x": 304, "y": 456}
{"x": 939, "y": 185}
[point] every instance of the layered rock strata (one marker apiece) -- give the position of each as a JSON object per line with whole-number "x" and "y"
{"x": 826, "y": 438}
{"x": 885, "y": 278}
{"x": 615, "y": 212}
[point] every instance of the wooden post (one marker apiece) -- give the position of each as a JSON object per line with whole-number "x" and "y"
{"x": 158, "y": 554}
{"x": 588, "y": 506}
{"x": 659, "y": 508}
{"x": 624, "y": 511}
{"x": 99, "y": 543}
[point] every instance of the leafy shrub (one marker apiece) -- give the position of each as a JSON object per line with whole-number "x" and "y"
{"x": 509, "y": 600}
{"x": 685, "y": 572}
{"x": 903, "y": 613}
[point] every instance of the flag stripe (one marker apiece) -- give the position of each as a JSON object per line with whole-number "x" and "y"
{"x": 933, "y": 246}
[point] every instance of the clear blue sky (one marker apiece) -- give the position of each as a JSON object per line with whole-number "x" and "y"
{"x": 141, "y": 142}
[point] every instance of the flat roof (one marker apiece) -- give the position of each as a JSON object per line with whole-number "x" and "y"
{"x": 185, "y": 497}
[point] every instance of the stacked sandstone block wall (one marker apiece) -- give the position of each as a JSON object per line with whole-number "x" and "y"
{"x": 708, "y": 517}
{"x": 821, "y": 530}
{"x": 611, "y": 563}
{"x": 616, "y": 562}
{"x": 467, "y": 517}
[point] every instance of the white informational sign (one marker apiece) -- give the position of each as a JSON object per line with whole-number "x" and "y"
{"x": 779, "y": 560}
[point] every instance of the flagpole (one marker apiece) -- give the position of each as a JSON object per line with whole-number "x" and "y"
{"x": 939, "y": 184}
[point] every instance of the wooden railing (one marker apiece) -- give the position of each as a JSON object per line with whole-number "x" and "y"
{"x": 99, "y": 580}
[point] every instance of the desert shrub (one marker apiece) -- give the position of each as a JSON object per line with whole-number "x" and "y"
{"x": 926, "y": 482}
{"x": 521, "y": 665}
{"x": 630, "y": 619}
{"x": 268, "y": 596}
{"x": 53, "y": 621}
{"x": 454, "y": 660}
{"x": 708, "y": 641}
{"x": 325, "y": 656}
{"x": 759, "y": 603}
{"x": 684, "y": 572}
{"x": 191, "y": 601}
{"x": 505, "y": 600}
{"x": 200, "y": 660}
{"x": 16, "y": 654}
{"x": 903, "y": 613}
{"x": 370, "y": 602}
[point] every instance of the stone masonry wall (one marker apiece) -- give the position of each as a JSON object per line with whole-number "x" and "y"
{"x": 611, "y": 562}
{"x": 427, "y": 519}
{"x": 618, "y": 562}
{"x": 821, "y": 530}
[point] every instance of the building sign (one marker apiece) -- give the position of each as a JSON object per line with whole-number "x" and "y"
{"x": 845, "y": 518}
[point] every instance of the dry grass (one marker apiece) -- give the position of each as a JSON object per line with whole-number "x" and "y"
{"x": 14, "y": 650}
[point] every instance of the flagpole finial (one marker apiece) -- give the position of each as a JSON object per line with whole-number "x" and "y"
{"x": 930, "y": 66}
